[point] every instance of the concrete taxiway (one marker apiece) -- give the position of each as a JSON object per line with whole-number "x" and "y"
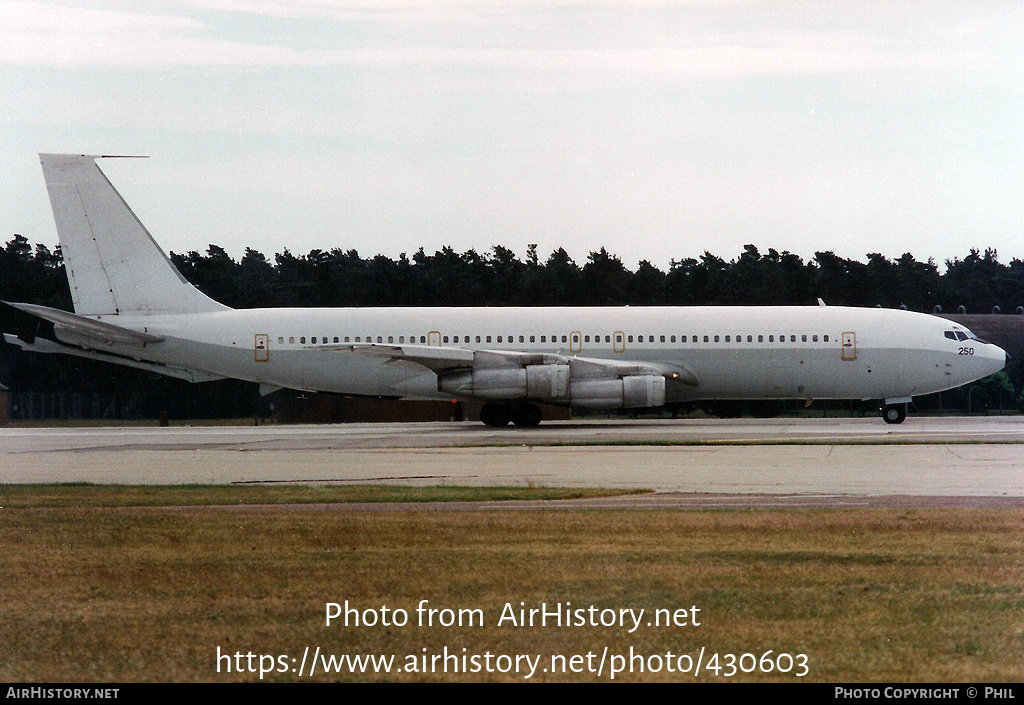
{"x": 827, "y": 459}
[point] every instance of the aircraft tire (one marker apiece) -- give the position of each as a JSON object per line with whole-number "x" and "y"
{"x": 526, "y": 415}
{"x": 894, "y": 413}
{"x": 495, "y": 415}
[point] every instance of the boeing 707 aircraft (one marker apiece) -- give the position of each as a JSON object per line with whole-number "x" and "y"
{"x": 132, "y": 307}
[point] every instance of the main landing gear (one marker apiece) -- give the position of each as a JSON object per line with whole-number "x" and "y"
{"x": 498, "y": 415}
{"x": 894, "y": 413}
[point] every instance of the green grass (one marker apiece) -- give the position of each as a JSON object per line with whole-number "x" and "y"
{"x": 90, "y": 495}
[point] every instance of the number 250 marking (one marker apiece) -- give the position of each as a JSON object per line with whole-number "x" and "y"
{"x": 966, "y": 351}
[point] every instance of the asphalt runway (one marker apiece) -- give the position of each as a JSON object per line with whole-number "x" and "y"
{"x": 689, "y": 463}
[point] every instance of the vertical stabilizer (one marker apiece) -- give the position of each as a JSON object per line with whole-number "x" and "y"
{"x": 114, "y": 265}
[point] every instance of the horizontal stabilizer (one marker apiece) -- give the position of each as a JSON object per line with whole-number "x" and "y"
{"x": 42, "y": 345}
{"x": 88, "y": 327}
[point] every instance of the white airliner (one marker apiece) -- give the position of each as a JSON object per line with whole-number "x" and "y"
{"x": 133, "y": 308}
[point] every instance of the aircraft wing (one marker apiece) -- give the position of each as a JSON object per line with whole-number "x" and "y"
{"x": 443, "y": 360}
{"x": 88, "y": 327}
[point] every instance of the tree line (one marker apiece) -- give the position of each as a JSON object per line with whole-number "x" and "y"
{"x": 978, "y": 282}
{"x": 33, "y": 273}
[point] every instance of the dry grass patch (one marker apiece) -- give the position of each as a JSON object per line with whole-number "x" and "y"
{"x": 84, "y": 494}
{"x": 113, "y": 594}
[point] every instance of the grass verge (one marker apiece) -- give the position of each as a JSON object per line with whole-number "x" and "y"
{"x": 90, "y": 495}
{"x": 116, "y": 594}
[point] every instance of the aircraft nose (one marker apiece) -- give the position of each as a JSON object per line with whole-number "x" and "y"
{"x": 1000, "y": 357}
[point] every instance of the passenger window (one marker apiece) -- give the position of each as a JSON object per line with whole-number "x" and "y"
{"x": 825, "y": 338}
{"x": 291, "y": 340}
{"x": 716, "y": 339}
{"x": 379, "y": 339}
{"x": 727, "y": 339}
{"x": 803, "y": 338}
{"x": 705, "y": 339}
{"x": 814, "y": 339}
{"x": 280, "y": 341}
{"x": 488, "y": 339}
{"x": 760, "y": 338}
{"x": 629, "y": 339}
{"x": 533, "y": 339}
{"x": 302, "y": 340}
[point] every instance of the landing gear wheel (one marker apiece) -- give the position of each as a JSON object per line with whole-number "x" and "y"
{"x": 526, "y": 415}
{"x": 495, "y": 415}
{"x": 894, "y": 413}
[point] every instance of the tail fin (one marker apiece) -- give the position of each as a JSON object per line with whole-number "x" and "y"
{"x": 114, "y": 265}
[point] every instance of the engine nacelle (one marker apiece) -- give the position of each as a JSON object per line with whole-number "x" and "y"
{"x": 554, "y": 383}
{"x": 632, "y": 392}
{"x": 531, "y": 382}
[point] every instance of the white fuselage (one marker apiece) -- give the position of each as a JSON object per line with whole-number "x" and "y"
{"x": 812, "y": 352}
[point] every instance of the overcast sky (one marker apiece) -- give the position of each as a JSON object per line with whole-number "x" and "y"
{"x": 656, "y": 129}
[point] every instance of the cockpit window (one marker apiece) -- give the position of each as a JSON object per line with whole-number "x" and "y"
{"x": 962, "y": 335}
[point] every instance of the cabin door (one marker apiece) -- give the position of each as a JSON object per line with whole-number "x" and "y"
{"x": 262, "y": 348}
{"x": 849, "y": 346}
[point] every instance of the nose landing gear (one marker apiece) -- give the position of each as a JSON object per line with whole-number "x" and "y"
{"x": 894, "y": 413}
